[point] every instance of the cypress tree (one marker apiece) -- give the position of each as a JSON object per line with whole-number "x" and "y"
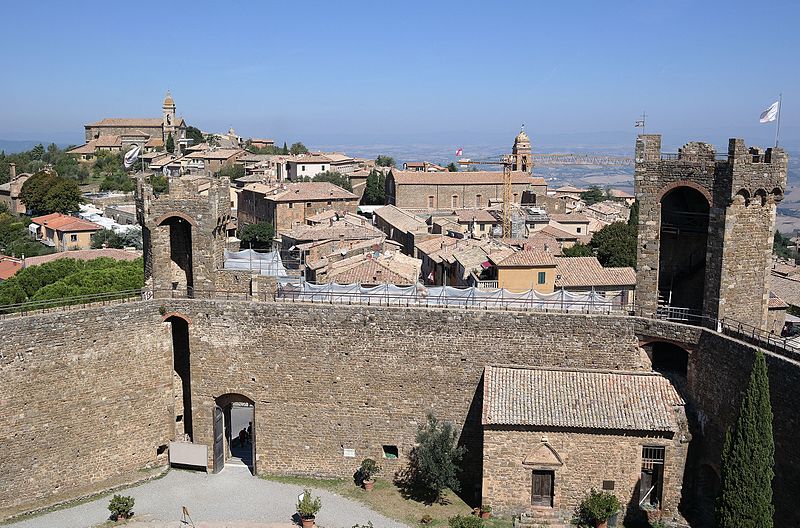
{"x": 745, "y": 498}
{"x": 170, "y": 146}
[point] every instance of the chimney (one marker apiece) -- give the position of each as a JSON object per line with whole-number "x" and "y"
{"x": 12, "y": 168}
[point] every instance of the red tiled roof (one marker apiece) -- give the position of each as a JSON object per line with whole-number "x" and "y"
{"x": 129, "y": 122}
{"x": 65, "y": 223}
{"x": 588, "y": 272}
{"x": 462, "y": 178}
{"x": 526, "y": 258}
{"x": 637, "y": 401}
{"x": 570, "y": 218}
{"x": 9, "y": 267}
{"x": 557, "y": 233}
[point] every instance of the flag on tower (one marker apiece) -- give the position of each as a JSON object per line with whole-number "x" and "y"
{"x": 639, "y": 123}
{"x": 771, "y": 113}
{"x": 459, "y": 151}
{"x": 131, "y": 156}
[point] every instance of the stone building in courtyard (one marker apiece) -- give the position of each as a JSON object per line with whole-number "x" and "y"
{"x": 549, "y": 435}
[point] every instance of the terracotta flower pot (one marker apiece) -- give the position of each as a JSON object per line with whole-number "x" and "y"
{"x": 601, "y": 524}
{"x": 308, "y": 522}
{"x": 369, "y": 484}
{"x": 485, "y": 515}
{"x": 121, "y": 517}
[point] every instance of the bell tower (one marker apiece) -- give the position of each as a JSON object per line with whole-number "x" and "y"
{"x": 168, "y": 124}
{"x": 522, "y": 152}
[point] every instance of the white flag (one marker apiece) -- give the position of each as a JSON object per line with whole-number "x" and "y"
{"x": 771, "y": 113}
{"x": 131, "y": 156}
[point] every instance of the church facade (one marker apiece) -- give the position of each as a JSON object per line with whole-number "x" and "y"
{"x": 122, "y": 134}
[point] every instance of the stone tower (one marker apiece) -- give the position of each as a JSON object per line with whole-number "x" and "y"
{"x": 169, "y": 123}
{"x": 706, "y": 224}
{"x": 184, "y": 234}
{"x": 522, "y": 152}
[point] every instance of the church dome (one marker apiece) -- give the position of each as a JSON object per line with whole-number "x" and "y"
{"x": 168, "y": 101}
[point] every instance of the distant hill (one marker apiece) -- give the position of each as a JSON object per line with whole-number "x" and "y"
{"x": 10, "y": 146}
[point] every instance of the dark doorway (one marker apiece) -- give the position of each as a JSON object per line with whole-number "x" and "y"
{"x": 668, "y": 358}
{"x": 651, "y": 482}
{"x": 183, "y": 383}
{"x": 180, "y": 254}
{"x": 682, "y": 253}
{"x": 234, "y": 432}
{"x": 542, "y": 489}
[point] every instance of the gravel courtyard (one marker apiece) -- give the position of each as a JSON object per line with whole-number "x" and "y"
{"x": 233, "y": 498}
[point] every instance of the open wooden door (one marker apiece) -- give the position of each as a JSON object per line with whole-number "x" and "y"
{"x": 219, "y": 439}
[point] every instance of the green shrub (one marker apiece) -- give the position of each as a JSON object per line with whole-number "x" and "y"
{"x": 465, "y": 521}
{"x": 369, "y": 468}
{"x": 309, "y": 505}
{"x": 121, "y": 506}
{"x": 599, "y": 506}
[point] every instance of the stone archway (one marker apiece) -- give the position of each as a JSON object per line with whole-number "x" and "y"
{"x": 182, "y": 382}
{"x": 181, "y": 272}
{"x": 234, "y": 427}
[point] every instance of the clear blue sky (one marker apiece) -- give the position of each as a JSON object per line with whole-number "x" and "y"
{"x": 404, "y": 72}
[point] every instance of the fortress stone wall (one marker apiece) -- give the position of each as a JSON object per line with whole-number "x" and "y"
{"x": 90, "y": 396}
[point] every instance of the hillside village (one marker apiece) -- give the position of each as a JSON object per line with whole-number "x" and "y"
{"x": 561, "y": 328}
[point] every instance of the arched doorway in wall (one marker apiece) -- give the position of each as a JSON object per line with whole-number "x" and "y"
{"x": 180, "y": 253}
{"x": 669, "y": 358}
{"x": 181, "y": 361}
{"x": 234, "y": 432}
{"x": 683, "y": 247}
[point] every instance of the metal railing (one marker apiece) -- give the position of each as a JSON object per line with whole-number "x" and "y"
{"x": 72, "y": 303}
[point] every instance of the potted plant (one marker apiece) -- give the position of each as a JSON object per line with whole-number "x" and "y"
{"x": 307, "y": 507}
{"x": 486, "y": 511}
{"x": 121, "y": 507}
{"x": 597, "y": 509}
{"x": 369, "y": 468}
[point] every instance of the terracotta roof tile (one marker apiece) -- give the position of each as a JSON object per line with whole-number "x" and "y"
{"x": 65, "y": 223}
{"x": 376, "y": 268}
{"x": 573, "y": 218}
{"x": 573, "y": 272}
{"x": 526, "y": 258}
{"x": 9, "y": 267}
{"x": 128, "y": 122}
{"x": 579, "y": 399}
{"x": 401, "y": 219}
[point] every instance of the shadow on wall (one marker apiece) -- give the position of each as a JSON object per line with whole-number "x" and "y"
{"x": 472, "y": 439}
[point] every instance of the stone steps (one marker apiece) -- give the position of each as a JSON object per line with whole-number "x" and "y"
{"x": 541, "y": 518}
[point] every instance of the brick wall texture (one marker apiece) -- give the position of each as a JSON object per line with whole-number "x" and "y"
{"x": 89, "y": 393}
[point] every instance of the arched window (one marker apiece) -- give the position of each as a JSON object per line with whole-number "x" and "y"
{"x": 478, "y": 200}
{"x": 454, "y": 201}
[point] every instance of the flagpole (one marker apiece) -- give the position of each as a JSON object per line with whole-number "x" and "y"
{"x": 778, "y": 126}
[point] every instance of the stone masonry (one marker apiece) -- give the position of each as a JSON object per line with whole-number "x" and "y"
{"x": 742, "y": 190}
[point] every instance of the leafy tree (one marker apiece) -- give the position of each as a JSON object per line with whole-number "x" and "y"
{"x": 15, "y": 239}
{"x": 285, "y": 149}
{"x": 170, "y": 145}
{"x": 375, "y": 190}
{"x": 578, "y": 250}
{"x": 780, "y": 246}
{"x": 297, "y": 148}
{"x": 593, "y": 195}
{"x": 232, "y": 172}
{"x": 335, "y": 178}
{"x": 257, "y": 236}
{"x": 117, "y": 181}
{"x": 452, "y": 167}
{"x": 633, "y": 219}
{"x": 46, "y": 192}
{"x": 748, "y": 458}
{"x": 384, "y": 161}
{"x": 434, "y": 462}
{"x": 615, "y": 245}
{"x": 37, "y": 152}
{"x": 194, "y": 134}
{"x": 159, "y": 183}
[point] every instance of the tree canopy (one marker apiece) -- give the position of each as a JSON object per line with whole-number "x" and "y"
{"x": 232, "y": 172}
{"x": 616, "y": 245}
{"x": 257, "y": 236}
{"x": 195, "y": 135}
{"x": 452, "y": 167}
{"x": 111, "y": 239}
{"x": 170, "y": 144}
{"x": 333, "y": 177}
{"x": 384, "y": 161}
{"x": 375, "y": 189}
{"x": 34, "y": 160}
{"x": 593, "y": 195}
{"x": 297, "y": 148}
{"x": 748, "y": 458}
{"x": 46, "y": 192}
{"x": 15, "y": 239}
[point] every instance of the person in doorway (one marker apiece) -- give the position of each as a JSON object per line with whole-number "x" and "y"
{"x": 242, "y": 437}
{"x": 250, "y": 432}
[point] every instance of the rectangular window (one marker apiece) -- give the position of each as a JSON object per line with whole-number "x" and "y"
{"x": 291, "y": 205}
{"x": 430, "y": 202}
{"x": 454, "y": 201}
{"x": 73, "y": 238}
{"x": 323, "y": 168}
{"x": 579, "y": 230}
{"x": 652, "y": 478}
{"x": 390, "y": 451}
{"x": 303, "y": 168}
{"x": 478, "y": 201}
{"x": 541, "y": 278}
